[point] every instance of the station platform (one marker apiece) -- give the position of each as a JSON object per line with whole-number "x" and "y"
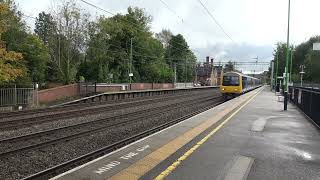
{"x": 249, "y": 137}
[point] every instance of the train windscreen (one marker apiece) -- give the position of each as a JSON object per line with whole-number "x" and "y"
{"x": 231, "y": 81}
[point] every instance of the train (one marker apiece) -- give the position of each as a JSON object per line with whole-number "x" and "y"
{"x": 234, "y": 84}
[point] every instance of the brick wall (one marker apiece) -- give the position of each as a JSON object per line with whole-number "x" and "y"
{"x": 53, "y": 94}
{"x": 108, "y": 88}
{"x": 49, "y": 95}
{"x": 162, "y": 85}
{"x": 145, "y": 86}
{"x": 141, "y": 86}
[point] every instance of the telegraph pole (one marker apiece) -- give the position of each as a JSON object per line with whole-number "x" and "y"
{"x": 277, "y": 56}
{"x": 175, "y": 73}
{"x": 196, "y": 73}
{"x": 301, "y": 74}
{"x": 285, "y": 104}
{"x": 254, "y": 70}
{"x": 272, "y": 71}
{"x": 130, "y": 64}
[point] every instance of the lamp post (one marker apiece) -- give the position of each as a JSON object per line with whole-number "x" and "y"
{"x": 130, "y": 64}
{"x": 301, "y": 74}
{"x": 254, "y": 70}
{"x": 292, "y": 50}
{"x": 272, "y": 73}
{"x": 276, "y": 75}
{"x": 285, "y": 104}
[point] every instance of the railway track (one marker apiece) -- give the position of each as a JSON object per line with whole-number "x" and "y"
{"x": 53, "y": 171}
{"x": 60, "y": 142}
{"x": 75, "y": 112}
{"x": 68, "y": 133}
{"x": 77, "y": 106}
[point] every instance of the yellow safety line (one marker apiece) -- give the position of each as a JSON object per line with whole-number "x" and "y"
{"x": 174, "y": 165}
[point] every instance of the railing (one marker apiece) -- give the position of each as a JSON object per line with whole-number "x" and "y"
{"x": 16, "y": 96}
{"x": 184, "y": 85}
{"x": 87, "y": 88}
{"x": 308, "y": 100}
{"x": 315, "y": 86}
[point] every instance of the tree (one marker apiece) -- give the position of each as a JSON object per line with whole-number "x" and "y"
{"x": 280, "y": 53}
{"x": 178, "y": 54}
{"x": 164, "y": 37}
{"x": 36, "y": 56}
{"x": 109, "y": 49}
{"x": 66, "y": 46}
{"x": 45, "y": 27}
{"x": 312, "y": 66}
{"x": 11, "y": 62}
{"x": 11, "y": 66}
{"x": 159, "y": 72}
{"x": 229, "y": 66}
{"x": 303, "y": 55}
{"x": 69, "y": 42}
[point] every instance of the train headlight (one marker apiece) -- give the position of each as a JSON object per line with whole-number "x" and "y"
{"x": 222, "y": 89}
{"x": 236, "y": 89}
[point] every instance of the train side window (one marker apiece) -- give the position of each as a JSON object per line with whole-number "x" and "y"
{"x": 244, "y": 82}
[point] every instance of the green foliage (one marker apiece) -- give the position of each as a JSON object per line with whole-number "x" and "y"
{"x": 303, "y": 55}
{"x": 12, "y": 66}
{"x": 65, "y": 34}
{"x": 229, "y": 66}
{"x": 67, "y": 47}
{"x": 312, "y": 63}
{"x": 179, "y": 55}
{"x": 159, "y": 72}
{"x": 109, "y": 50}
{"x": 45, "y": 27}
{"x": 280, "y": 53}
{"x": 164, "y": 37}
{"x": 36, "y": 57}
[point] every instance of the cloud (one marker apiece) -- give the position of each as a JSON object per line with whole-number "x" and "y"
{"x": 237, "y": 52}
{"x": 255, "y": 25}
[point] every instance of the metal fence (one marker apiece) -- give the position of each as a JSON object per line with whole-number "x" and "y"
{"x": 308, "y": 100}
{"x": 308, "y": 85}
{"x": 183, "y": 85}
{"x": 16, "y": 96}
{"x": 87, "y": 88}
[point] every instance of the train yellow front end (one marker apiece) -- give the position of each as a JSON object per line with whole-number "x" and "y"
{"x": 231, "y": 84}
{"x": 234, "y": 84}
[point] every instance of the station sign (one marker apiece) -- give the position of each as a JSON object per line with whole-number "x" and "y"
{"x": 130, "y": 74}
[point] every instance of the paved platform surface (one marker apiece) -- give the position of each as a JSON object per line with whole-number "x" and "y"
{"x": 260, "y": 142}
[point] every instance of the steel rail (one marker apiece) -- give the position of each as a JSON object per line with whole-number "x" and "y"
{"x": 26, "y": 122}
{"x": 58, "y": 169}
{"x": 72, "y": 106}
{"x": 135, "y": 115}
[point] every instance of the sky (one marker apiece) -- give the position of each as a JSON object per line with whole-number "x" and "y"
{"x": 254, "y": 26}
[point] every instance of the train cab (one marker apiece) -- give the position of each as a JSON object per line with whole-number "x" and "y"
{"x": 234, "y": 84}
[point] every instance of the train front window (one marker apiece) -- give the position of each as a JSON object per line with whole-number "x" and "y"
{"x": 230, "y": 81}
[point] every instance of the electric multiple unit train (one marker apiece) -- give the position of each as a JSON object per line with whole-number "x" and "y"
{"x": 234, "y": 84}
